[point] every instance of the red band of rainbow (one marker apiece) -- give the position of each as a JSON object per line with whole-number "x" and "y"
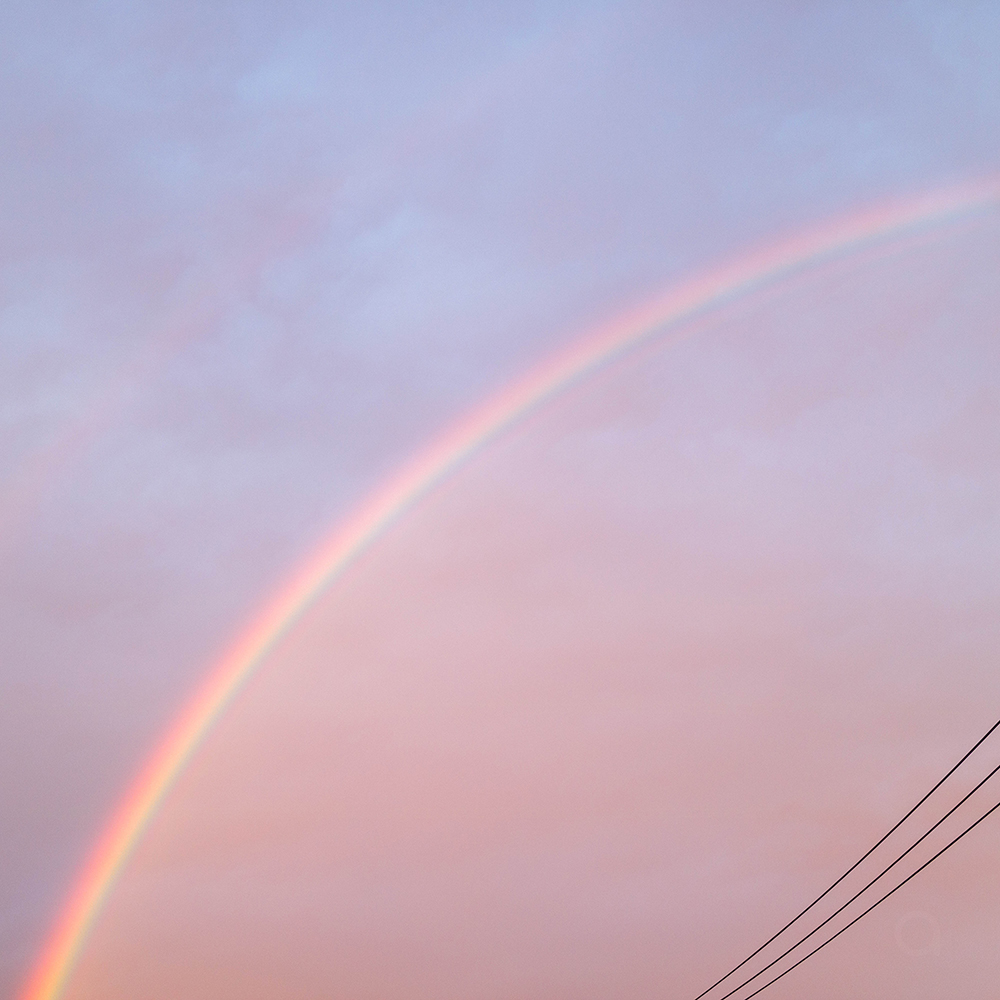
{"x": 351, "y": 537}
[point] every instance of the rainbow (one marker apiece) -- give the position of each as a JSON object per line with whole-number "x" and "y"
{"x": 350, "y": 538}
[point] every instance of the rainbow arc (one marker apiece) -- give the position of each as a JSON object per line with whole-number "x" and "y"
{"x": 671, "y": 313}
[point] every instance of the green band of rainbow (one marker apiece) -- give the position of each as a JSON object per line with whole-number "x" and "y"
{"x": 336, "y": 553}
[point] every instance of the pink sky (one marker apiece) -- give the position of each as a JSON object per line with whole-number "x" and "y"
{"x": 253, "y": 255}
{"x": 631, "y": 689}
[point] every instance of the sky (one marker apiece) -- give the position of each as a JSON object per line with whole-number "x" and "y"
{"x": 631, "y": 689}
{"x": 254, "y": 256}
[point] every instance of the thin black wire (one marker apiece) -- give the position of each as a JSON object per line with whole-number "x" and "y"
{"x": 863, "y": 890}
{"x": 865, "y": 913}
{"x": 864, "y": 857}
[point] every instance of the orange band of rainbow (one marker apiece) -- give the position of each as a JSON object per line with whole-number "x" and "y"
{"x": 336, "y": 553}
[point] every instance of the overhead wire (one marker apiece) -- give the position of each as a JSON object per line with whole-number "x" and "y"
{"x": 865, "y": 888}
{"x": 860, "y": 860}
{"x": 877, "y": 902}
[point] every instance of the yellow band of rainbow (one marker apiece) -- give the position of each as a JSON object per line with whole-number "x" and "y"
{"x": 351, "y": 537}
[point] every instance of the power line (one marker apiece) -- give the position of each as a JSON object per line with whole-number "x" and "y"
{"x": 865, "y": 913}
{"x": 864, "y": 857}
{"x": 864, "y": 889}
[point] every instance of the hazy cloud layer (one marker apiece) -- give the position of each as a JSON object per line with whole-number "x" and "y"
{"x": 604, "y": 712}
{"x": 252, "y": 255}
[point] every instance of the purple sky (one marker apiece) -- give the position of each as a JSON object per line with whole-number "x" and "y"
{"x": 253, "y": 255}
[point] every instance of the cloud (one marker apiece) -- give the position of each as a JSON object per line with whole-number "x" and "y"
{"x": 632, "y": 689}
{"x": 251, "y": 256}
